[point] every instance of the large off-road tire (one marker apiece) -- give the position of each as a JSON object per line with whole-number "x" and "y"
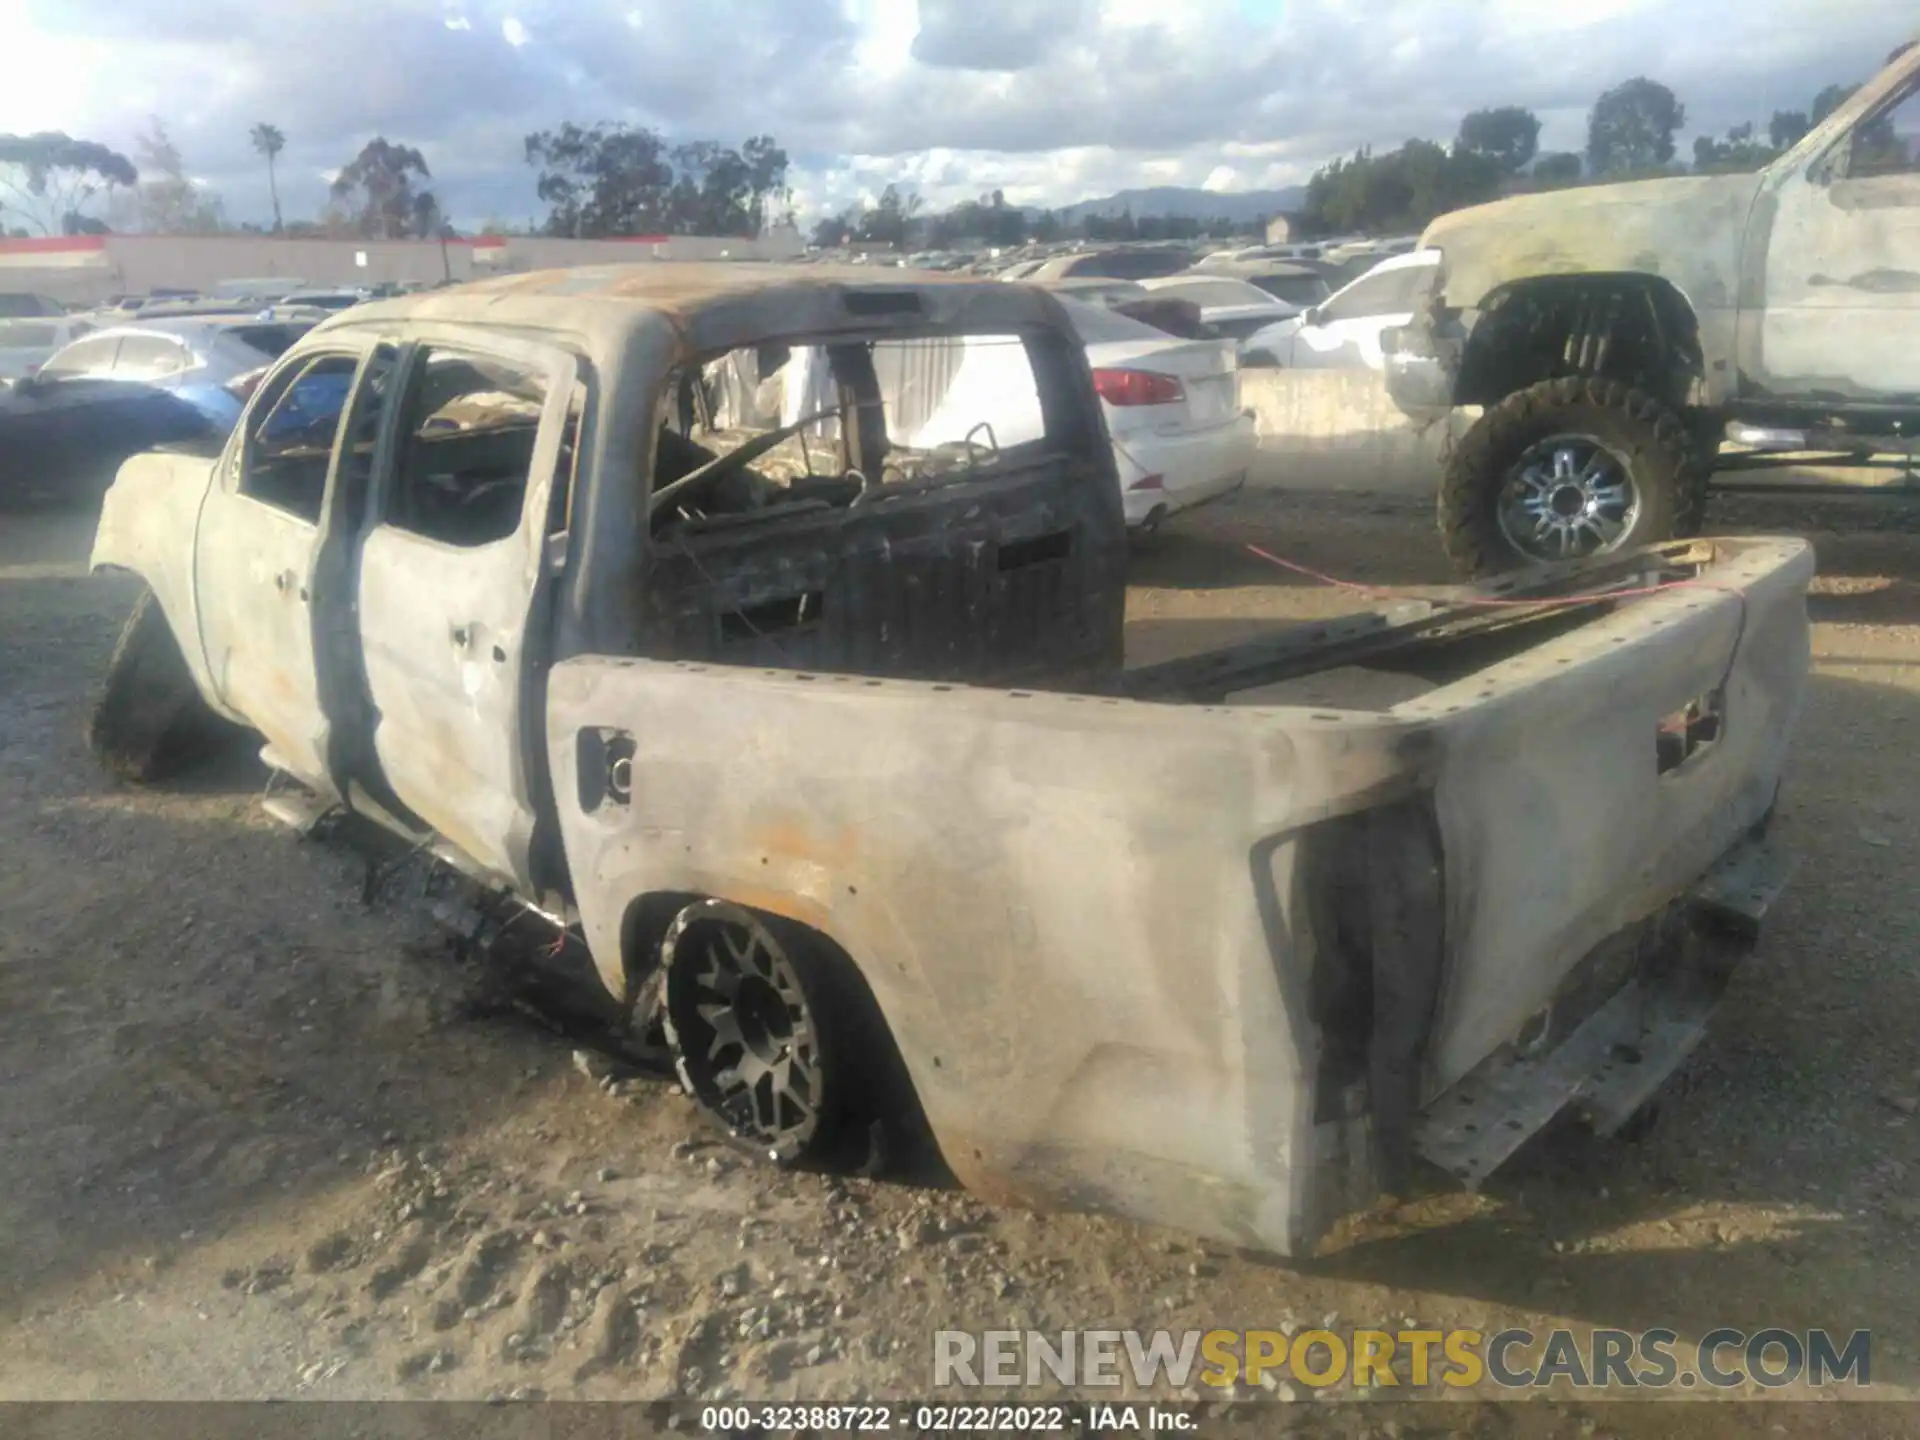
{"x": 148, "y": 717}
{"x": 774, "y": 1033}
{"x": 1567, "y": 468}
{"x": 1705, "y": 431}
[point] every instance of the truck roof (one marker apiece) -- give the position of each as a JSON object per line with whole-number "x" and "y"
{"x": 717, "y": 305}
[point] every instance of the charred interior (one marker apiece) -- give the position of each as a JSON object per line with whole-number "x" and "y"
{"x": 908, "y": 506}
{"x": 1634, "y": 329}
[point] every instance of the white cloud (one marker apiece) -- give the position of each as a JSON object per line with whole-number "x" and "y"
{"x": 1050, "y": 101}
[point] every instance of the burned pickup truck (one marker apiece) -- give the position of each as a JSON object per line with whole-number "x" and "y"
{"x": 825, "y": 746}
{"x": 1616, "y": 334}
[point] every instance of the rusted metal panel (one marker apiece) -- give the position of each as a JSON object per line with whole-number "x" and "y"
{"x": 717, "y": 306}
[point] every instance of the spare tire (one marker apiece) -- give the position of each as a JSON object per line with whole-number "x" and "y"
{"x": 148, "y": 714}
{"x": 1565, "y": 469}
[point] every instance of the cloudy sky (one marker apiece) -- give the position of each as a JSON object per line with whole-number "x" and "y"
{"x": 1050, "y": 100}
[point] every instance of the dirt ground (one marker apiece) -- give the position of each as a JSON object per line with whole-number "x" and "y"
{"x": 262, "y": 1138}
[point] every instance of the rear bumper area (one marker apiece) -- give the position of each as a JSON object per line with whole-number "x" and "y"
{"x": 1163, "y": 475}
{"x": 1609, "y": 1060}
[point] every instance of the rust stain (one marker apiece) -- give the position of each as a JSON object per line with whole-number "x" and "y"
{"x": 791, "y": 839}
{"x": 666, "y": 286}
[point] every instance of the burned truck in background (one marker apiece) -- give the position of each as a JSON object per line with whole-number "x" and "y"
{"x": 825, "y": 748}
{"x": 1616, "y": 334}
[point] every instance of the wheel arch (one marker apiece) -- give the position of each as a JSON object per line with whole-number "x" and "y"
{"x": 1632, "y": 326}
{"x": 148, "y": 528}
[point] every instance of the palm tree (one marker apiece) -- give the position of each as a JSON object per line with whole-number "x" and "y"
{"x": 268, "y": 140}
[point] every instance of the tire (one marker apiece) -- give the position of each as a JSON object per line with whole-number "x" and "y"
{"x": 798, "y": 1020}
{"x": 1705, "y": 430}
{"x": 148, "y": 714}
{"x": 1501, "y": 457}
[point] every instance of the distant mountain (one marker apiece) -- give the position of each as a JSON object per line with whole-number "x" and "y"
{"x": 1186, "y": 201}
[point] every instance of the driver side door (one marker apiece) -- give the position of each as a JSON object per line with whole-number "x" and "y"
{"x": 1842, "y": 266}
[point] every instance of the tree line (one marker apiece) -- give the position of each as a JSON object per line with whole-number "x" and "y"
{"x": 596, "y": 181}
{"x": 895, "y": 219}
{"x": 1631, "y": 133}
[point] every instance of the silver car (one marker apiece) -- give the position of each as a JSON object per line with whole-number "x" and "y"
{"x": 198, "y": 358}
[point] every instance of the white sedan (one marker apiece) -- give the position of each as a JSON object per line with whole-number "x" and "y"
{"x": 1180, "y": 436}
{"x": 1343, "y": 332}
{"x": 29, "y": 342}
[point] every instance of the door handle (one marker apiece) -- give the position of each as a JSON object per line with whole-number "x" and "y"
{"x": 287, "y": 581}
{"x": 462, "y": 635}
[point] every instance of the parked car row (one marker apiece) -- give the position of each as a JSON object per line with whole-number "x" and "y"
{"x": 27, "y": 343}
{"x": 1283, "y": 314}
{"x": 114, "y": 392}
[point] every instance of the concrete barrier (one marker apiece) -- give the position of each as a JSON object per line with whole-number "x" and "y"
{"x": 1339, "y": 430}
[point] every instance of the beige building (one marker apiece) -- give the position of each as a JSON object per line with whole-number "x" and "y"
{"x": 89, "y": 268}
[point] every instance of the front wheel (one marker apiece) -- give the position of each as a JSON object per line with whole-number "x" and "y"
{"x": 1563, "y": 470}
{"x": 148, "y": 715}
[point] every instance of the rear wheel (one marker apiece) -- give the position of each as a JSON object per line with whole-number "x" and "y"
{"x": 760, "y": 1021}
{"x": 1563, "y": 470}
{"x": 148, "y": 717}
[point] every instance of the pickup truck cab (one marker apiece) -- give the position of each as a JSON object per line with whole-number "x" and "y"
{"x": 1615, "y": 334}
{"x": 824, "y": 747}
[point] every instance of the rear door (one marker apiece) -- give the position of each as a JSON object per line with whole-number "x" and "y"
{"x": 253, "y": 563}
{"x": 448, "y": 574}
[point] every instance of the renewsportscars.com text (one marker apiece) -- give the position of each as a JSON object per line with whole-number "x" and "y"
{"x": 1457, "y": 1359}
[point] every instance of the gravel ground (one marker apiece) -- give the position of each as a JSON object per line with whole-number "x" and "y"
{"x": 267, "y": 1135}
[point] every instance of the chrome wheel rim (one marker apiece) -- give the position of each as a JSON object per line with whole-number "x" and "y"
{"x": 1566, "y": 497}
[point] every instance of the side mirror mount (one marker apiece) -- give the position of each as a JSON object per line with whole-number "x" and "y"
{"x": 1310, "y": 316}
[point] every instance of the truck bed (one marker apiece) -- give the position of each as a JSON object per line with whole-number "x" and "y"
{"x": 1217, "y": 942}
